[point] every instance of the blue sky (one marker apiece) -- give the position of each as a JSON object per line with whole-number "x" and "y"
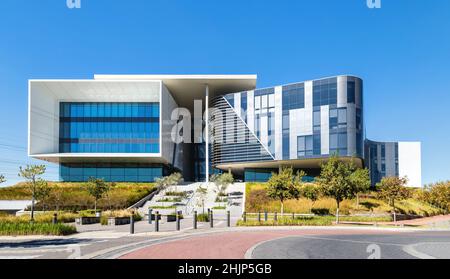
{"x": 402, "y": 51}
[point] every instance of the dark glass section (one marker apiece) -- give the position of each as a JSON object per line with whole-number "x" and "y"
{"x": 244, "y": 105}
{"x": 258, "y": 175}
{"x": 199, "y": 162}
{"x": 293, "y": 96}
{"x": 380, "y": 161}
{"x": 109, "y": 128}
{"x": 325, "y": 92}
{"x": 351, "y": 91}
{"x": 110, "y": 172}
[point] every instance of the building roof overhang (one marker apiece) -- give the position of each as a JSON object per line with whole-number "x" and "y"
{"x": 186, "y": 88}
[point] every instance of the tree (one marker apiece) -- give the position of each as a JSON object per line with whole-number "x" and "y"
{"x": 97, "y": 187}
{"x": 174, "y": 179}
{"x": 361, "y": 179}
{"x": 202, "y": 193}
{"x": 43, "y": 192}
{"x": 222, "y": 182}
{"x": 393, "y": 188}
{"x": 336, "y": 181}
{"x": 312, "y": 193}
{"x": 439, "y": 195}
{"x": 31, "y": 173}
{"x": 2, "y": 179}
{"x": 284, "y": 185}
{"x": 166, "y": 181}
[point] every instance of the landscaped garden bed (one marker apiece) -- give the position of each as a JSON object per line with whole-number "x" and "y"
{"x": 21, "y": 228}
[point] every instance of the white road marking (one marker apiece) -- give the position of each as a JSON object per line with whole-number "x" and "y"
{"x": 19, "y": 257}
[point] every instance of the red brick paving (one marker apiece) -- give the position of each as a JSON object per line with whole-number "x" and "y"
{"x": 230, "y": 245}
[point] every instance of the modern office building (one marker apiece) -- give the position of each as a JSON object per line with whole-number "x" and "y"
{"x": 139, "y": 127}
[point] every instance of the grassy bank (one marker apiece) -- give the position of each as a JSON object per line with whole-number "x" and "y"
{"x": 308, "y": 221}
{"x": 74, "y": 196}
{"x": 257, "y": 201}
{"x": 19, "y": 228}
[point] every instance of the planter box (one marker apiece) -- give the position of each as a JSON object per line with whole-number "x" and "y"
{"x": 171, "y": 218}
{"x": 153, "y": 217}
{"x": 87, "y": 220}
{"x": 118, "y": 221}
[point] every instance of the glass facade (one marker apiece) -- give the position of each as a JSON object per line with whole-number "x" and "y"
{"x": 304, "y": 105}
{"x": 109, "y": 128}
{"x": 258, "y": 175}
{"x": 381, "y": 159}
{"x": 111, "y": 172}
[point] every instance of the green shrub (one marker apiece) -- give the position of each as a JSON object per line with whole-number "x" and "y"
{"x": 18, "y": 228}
{"x": 63, "y": 217}
{"x": 219, "y": 207}
{"x": 221, "y": 199}
{"x": 202, "y": 217}
{"x": 163, "y": 207}
{"x": 170, "y": 200}
{"x": 176, "y": 194}
{"x": 298, "y": 221}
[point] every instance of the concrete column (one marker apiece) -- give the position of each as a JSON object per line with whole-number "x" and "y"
{"x": 207, "y": 133}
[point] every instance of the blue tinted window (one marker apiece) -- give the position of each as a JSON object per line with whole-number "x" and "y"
{"x": 91, "y": 127}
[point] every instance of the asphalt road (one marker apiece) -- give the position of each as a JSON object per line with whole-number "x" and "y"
{"x": 231, "y": 243}
{"x": 385, "y": 246}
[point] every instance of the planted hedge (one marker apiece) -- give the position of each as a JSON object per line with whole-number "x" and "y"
{"x": 19, "y": 228}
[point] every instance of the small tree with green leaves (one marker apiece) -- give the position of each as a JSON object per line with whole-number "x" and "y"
{"x": 361, "y": 179}
{"x": 222, "y": 182}
{"x": 312, "y": 193}
{"x": 202, "y": 193}
{"x": 284, "y": 185}
{"x": 43, "y": 192}
{"x": 96, "y": 188}
{"x": 2, "y": 179}
{"x": 393, "y": 189}
{"x": 31, "y": 173}
{"x": 174, "y": 179}
{"x": 336, "y": 181}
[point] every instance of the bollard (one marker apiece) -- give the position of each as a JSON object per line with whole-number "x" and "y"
{"x": 244, "y": 217}
{"x": 131, "y": 224}
{"x": 150, "y": 216}
{"x": 211, "y": 220}
{"x": 275, "y": 217}
{"x": 195, "y": 220}
{"x": 228, "y": 219}
{"x": 178, "y": 220}
{"x": 293, "y": 216}
{"x": 55, "y": 219}
{"x": 265, "y": 215}
{"x": 259, "y": 216}
{"x": 156, "y": 221}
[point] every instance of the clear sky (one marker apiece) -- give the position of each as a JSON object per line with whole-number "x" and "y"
{"x": 402, "y": 51}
